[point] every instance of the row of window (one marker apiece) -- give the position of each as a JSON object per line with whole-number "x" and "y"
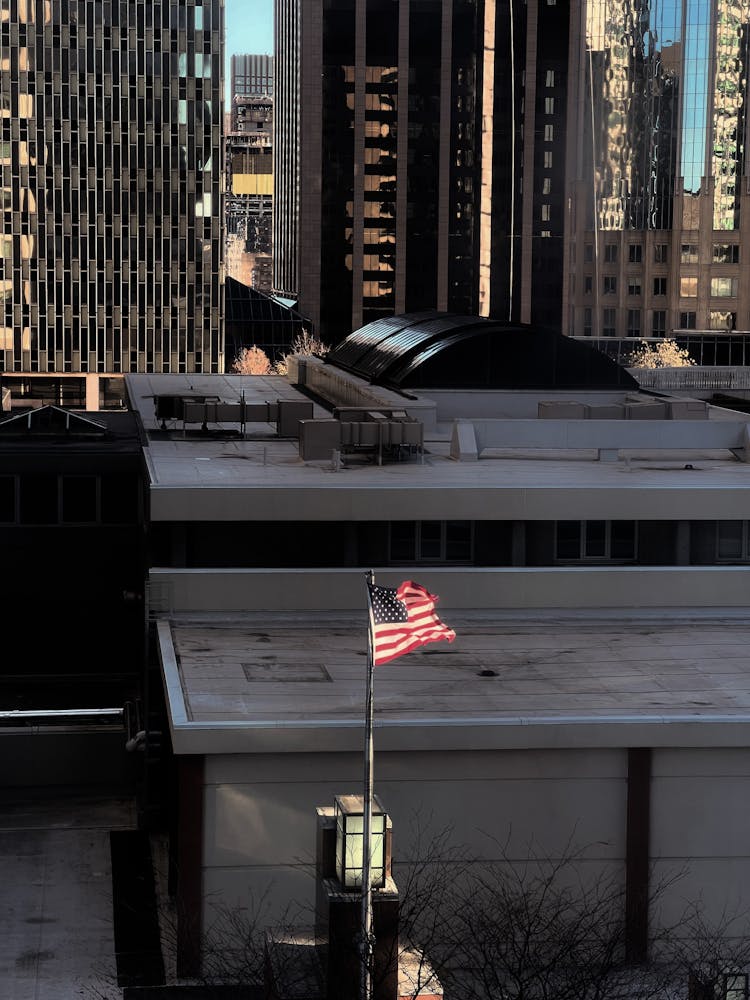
{"x": 724, "y": 287}
{"x": 635, "y": 253}
{"x": 718, "y": 319}
{"x": 575, "y": 541}
{"x": 67, "y": 499}
{"x": 721, "y": 253}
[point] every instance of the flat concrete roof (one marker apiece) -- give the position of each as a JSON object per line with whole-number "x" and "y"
{"x": 258, "y": 683}
{"x": 56, "y": 934}
{"x": 202, "y": 478}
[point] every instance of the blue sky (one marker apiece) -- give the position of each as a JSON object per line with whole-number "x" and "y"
{"x": 249, "y": 28}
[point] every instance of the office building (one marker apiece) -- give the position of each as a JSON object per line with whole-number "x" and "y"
{"x": 597, "y": 688}
{"x": 249, "y": 191}
{"x": 658, "y": 170}
{"x": 430, "y": 170}
{"x": 110, "y": 151}
{"x": 251, "y": 75}
{"x": 579, "y": 166}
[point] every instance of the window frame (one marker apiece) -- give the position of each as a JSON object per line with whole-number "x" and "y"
{"x": 583, "y": 543}
{"x": 419, "y": 542}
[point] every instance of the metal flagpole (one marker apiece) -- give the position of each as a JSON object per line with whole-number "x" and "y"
{"x": 366, "y": 945}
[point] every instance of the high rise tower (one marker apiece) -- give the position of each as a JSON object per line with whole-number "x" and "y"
{"x": 413, "y": 157}
{"x": 111, "y": 202}
{"x": 659, "y": 204}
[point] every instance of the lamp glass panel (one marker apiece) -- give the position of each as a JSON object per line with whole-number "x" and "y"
{"x": 349, "y": 849}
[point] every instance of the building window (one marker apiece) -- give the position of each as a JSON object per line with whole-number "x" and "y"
{"x": 610, "y": 284}
{"x": 688, "y": 288}
{"x": 660, "y": 286}
{"x": 687, "y": 320}
{"x": 635, "y": 253}
{"x": 550, "y": 78}
{"x": 545, "y": 213}
{"x": 610, "y": 253}
{"x": 588, "y": 284}
{"x": 732, "y": 541}
{"x": 723, "y": 288}
{"x": 546, "y": 185}
{"x": 661, "y": 253}
{"x": 587, "y": 320}
{"x": 722, "y": 319}
{"x": 658, "y": 323}
{"x": 609, "y": 322}
{"x": 8, "y": 499}
{"x": 548, "y": 159}
{"x": 634, "y": 322}
{"x": 549, "y": 133}
{"x": 549, "y": 105}
{"x": 688, "y": 253}
{"x": 431, "y": 541}
{"x": 583, "y": 541}
{"x": 726, "y": 253}
{"x": 634, "y": 286}
{"x": 588, "y": 253}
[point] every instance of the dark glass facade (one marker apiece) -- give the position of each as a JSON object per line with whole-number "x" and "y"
{"x": 424, "y": 132}
{"x": 110, "y": 151}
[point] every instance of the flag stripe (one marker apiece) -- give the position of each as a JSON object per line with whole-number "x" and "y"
{"x": 402, "y": 619}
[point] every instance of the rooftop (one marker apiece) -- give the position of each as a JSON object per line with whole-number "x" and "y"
{"x": 282, "y": 682}
{"x": 202, "y": 474}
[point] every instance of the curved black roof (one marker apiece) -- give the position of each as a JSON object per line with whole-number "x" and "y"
{"x": 446, "y": 351}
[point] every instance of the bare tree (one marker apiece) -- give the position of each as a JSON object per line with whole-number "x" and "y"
{"x": 305, "y": 343}
{"x": 251, "y": 361}
{"x": 528, "y": 928}
{"x": 520, "y": 926}
{"x": 711, "y": 957}
{"x": 664, "y": 354}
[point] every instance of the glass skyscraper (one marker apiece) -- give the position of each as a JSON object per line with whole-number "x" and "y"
{"x": 659, "y": 203}
{"x": 110, "y": 153}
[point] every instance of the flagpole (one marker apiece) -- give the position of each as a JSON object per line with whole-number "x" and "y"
{"x": 366, "y": 945}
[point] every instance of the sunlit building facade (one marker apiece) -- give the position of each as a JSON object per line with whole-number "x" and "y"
{"x": 249, "y": 191}
{"x": 660, "y": 216}
{"x": 110, "y": 152}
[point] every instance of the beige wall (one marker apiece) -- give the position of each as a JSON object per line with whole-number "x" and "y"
{"x": 260, "y": 814}
{"x": 260, "y": 810}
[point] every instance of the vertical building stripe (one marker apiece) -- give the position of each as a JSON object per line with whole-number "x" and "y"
{"x": 444, "y": 155}
{"x": 486, "y": 173}
{"x": 637, "y": 854}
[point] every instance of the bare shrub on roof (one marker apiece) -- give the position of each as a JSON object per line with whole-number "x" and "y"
{"x": 251, "y": 361}
{"x": 665, "y": 354}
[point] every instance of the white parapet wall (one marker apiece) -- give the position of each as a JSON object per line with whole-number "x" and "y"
{"x": 464, "y": 588}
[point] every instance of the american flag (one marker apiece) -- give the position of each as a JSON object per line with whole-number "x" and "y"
{"x": 403, "y": 618}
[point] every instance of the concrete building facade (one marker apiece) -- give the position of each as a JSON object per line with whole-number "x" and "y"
{"x": 111, "y": 190}
{"x": 597, "y": 688}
